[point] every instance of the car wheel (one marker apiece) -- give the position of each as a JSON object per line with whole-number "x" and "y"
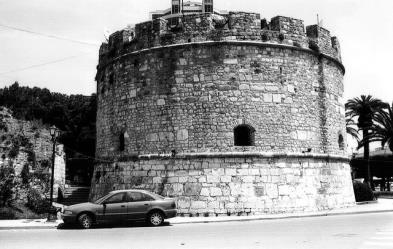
{"x": 155, "y": 218}
{"x": 86, "y": 221}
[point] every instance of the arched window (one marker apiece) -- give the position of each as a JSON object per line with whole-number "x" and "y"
{"x": 244, "y": 135}
{"x": 341, "y": 144}
{"x": 121, "y": 142}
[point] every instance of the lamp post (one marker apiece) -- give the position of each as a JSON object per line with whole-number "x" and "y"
{"x": 54, "y": 132}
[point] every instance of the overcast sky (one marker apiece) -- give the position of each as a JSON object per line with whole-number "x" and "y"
{"x": 63, "y": 55}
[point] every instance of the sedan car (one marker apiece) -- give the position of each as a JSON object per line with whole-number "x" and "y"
{"x": 122, "y": 205}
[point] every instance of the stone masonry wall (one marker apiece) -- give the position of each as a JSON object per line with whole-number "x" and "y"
{"x": 235, "y": 184}
{"x": 170, "y": 96}
{"x": 190, "y": 98}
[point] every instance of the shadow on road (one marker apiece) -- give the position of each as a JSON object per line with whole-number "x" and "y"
{"x": 64, "y": 226}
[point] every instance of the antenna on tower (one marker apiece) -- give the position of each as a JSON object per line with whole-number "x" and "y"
{"x": 319, "y": 22}
{"x": 182, "y": 7}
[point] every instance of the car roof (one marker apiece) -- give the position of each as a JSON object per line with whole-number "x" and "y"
{"x": 128, "y": 190}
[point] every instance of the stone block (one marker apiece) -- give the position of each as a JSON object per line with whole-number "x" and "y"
{"x": 277, "y": 98}
{"x": 192, "y": 188}
{"x": 230, "y": 172}
{"x": 271, "y": 190}
{"x": 198, "y": 205}
{"x": 161, "y": 102}
{"x": 215, "y": 191}
{"x": 248, "y": 179}
{"x": 230, "y": 61}
{"x": 268, "y": 97}
{"x": 212, "y": 179}
{"x": 283, "y": 190}
{"x": 182, "y": 134}
{"x": 182, "y": 61}
{"x": 205, "y": 192}
{"x": 226, "y": 179}
{"x": 244, "y": 87}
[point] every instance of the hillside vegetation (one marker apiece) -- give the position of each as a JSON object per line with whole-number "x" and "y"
{"x": 75, "y": 115}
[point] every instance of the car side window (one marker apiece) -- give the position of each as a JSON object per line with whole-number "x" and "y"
{"x": 116, "y": 198}
{"x": 136, "y": 196}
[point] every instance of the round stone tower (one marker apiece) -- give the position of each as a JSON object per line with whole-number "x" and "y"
{"x": 228, "y": 113}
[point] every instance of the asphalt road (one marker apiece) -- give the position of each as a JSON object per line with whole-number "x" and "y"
{"x": 346, "y": 231}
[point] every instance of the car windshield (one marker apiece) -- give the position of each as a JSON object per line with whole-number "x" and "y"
{"x": 98, "y": 201}
{"x": 156, "y": 196}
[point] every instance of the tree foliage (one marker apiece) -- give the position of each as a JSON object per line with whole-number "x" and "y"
{"x": 75, "y": 115}
{"x": 382, "y": 128}
{"x": 7, "y": 184}
{"x": 364, "y": 109}
{"x": 350, "y": 128}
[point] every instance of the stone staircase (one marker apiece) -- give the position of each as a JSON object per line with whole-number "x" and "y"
{"x": 74, "y": 195}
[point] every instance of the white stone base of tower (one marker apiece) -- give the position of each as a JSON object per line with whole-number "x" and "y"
{"x": 235, "y": 183}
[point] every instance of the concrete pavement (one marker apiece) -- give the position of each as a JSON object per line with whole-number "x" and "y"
{"x": 382, "y": 205}
{"x": 358, "y": 231}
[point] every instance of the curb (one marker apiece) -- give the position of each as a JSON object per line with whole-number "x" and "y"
{"x": 28, "y": 227}
{"x": 283, "y": 217}
{"x": 251, "y": 218}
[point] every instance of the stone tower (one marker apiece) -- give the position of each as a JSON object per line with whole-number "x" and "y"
{"x": 227, "y": 112}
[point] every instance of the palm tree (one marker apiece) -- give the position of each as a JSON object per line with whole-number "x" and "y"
{"x": 382, "y": 129}
{"x": 351, "y": 130}
{"x": 364, "y": 108}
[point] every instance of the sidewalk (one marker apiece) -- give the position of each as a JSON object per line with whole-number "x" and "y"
{"x": 382, "y": 205}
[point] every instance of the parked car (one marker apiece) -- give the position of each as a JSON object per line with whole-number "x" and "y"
{"x": 122, "y": 205}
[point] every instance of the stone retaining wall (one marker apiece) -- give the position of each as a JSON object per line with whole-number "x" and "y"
{"x": 235, "y": 184}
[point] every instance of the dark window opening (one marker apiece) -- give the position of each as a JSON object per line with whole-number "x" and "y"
{"x": 121, "y": 142}
{"x": 208, "y": 8}
{"x": 174, "y": 21}
{"x": 244, "y": 135}
{"x": 341, "y": 142}
{"x": 111, "y": 79}
{"x": 175, "y": 9}
{"x": 136, "y": 63}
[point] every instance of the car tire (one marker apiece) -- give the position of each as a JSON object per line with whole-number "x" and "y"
{"x": 85, "y": 221}
{"x": 155, "y": 218}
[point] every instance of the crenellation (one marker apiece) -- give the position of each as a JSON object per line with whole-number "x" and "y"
{"x": 205, "y": 27}
{"x": 321, "y": 41}
{"x": 244, "y": 22}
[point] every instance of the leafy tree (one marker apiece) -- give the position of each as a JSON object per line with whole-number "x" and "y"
{"x": 382, "y": 129}
{"x": 364, "y": 108}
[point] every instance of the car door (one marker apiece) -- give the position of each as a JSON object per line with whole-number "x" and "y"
{"x": 115, "y": 207}
{"x": 138, "y": 205}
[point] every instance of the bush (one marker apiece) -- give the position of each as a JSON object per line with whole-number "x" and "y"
{"x": 7, "y": 213}
{"x": 36, "y": 202}
{"x": 363, "y": 192}
{"x": 25, "y": 174}
{"x": 7, "y": 184}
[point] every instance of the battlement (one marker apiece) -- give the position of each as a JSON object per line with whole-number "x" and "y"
{"x": 234, "y": 26}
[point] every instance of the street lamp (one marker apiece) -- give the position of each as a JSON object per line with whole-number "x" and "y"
{"x": 54, "y": 132}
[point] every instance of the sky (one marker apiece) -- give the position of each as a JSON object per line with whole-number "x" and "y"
{"x": 60, "y": 49}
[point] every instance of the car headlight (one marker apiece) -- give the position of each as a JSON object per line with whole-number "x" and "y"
{"x": 67, "y": 212}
